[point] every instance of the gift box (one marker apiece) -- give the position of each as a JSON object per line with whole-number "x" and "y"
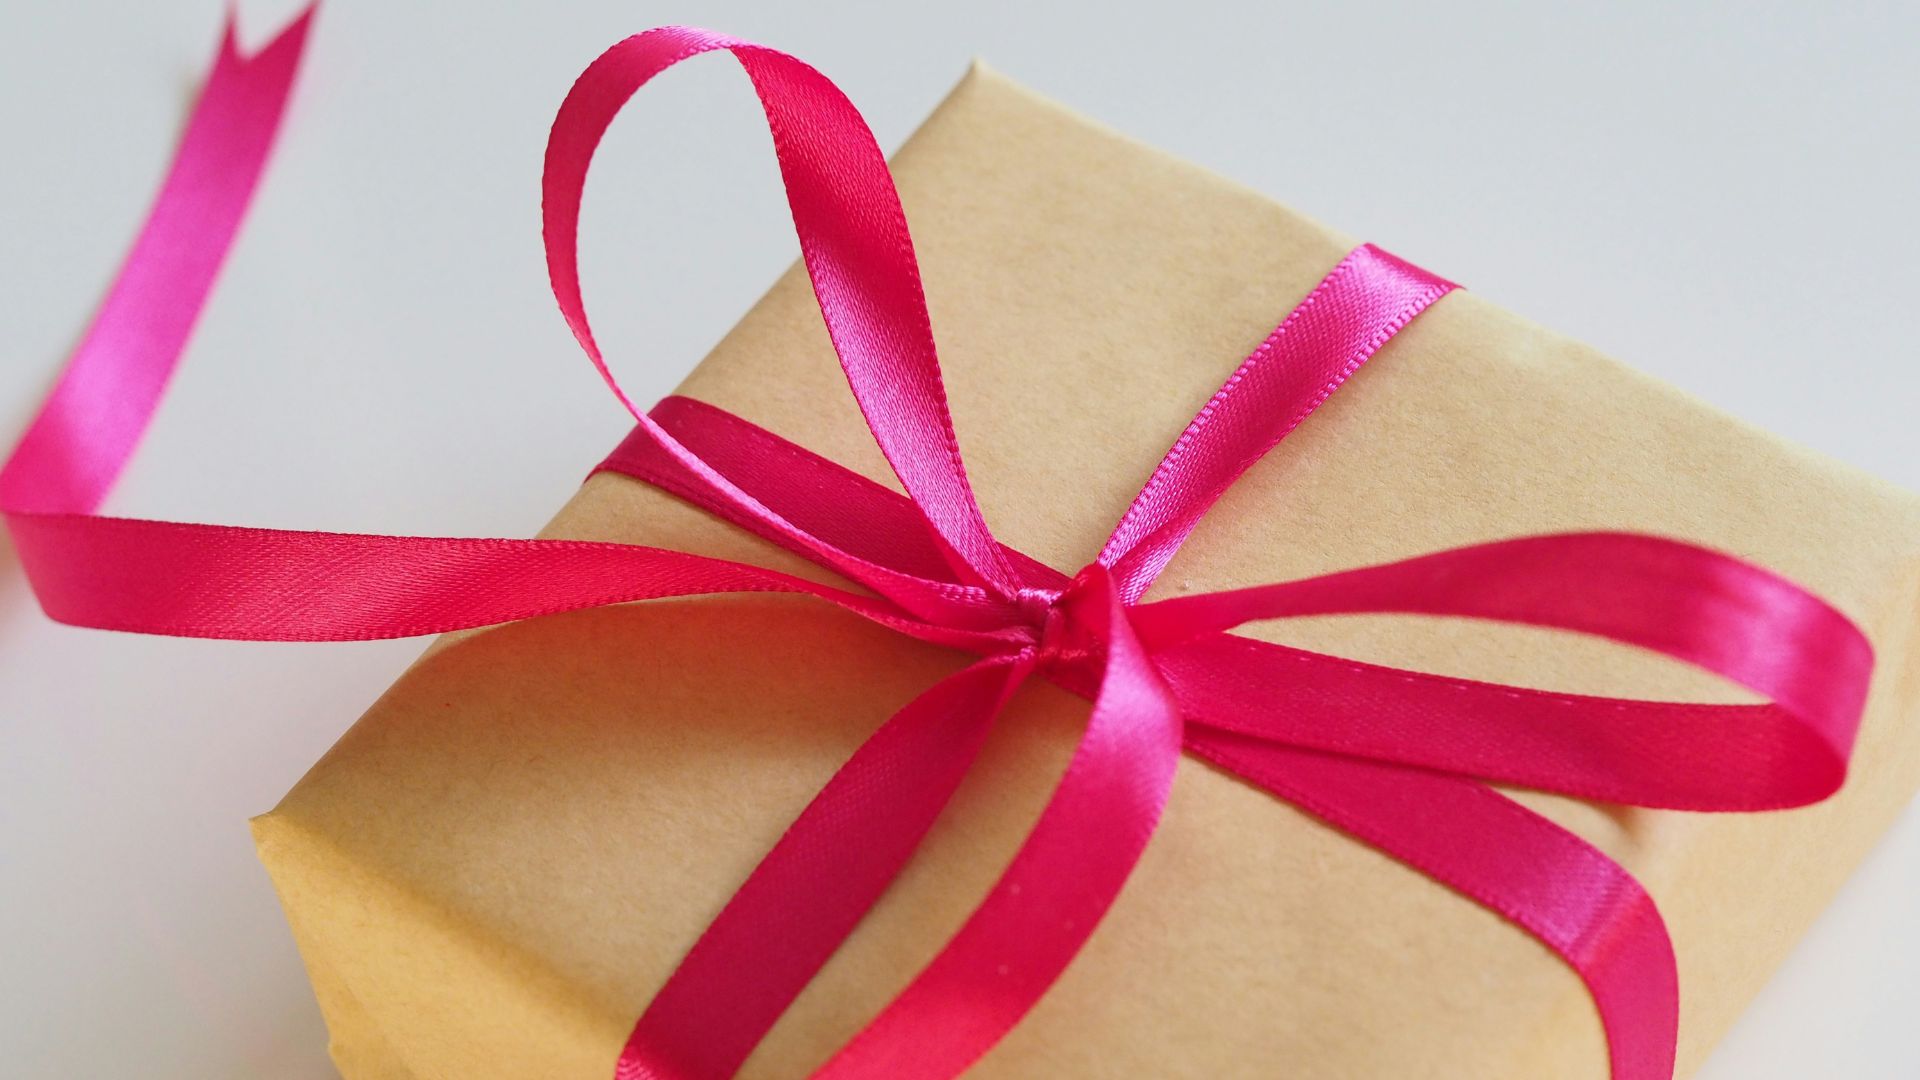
{"x": 498, "y": 866}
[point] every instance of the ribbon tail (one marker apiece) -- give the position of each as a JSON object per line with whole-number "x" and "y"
{"x": 219, "y": 581}
{"x": 815, "y": 885}
{"x": 1054, "y": 892}
{"x": 79, "y": 442}
{"x": 1476, "y": 841}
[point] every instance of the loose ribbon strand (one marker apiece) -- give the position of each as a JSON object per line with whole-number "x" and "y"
{"x": 1398, "y": 759}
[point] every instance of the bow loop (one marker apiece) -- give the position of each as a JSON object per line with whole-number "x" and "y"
{"x": 859, "y": 257}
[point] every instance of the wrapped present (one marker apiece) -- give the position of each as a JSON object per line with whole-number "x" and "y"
{"x": 502, "y": 864}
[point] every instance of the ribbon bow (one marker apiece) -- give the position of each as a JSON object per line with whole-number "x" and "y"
{"x": 1401, "y": 760}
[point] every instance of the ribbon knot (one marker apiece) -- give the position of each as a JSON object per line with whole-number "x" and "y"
{"x": 1043, "y": 622}
{"x": 1056, "y": 632}
{"x": 1398, "y": 759}
{"x": 1037, "y": 605}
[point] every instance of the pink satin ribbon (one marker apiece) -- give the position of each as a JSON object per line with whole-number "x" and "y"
{"x": 1398, "y": 759}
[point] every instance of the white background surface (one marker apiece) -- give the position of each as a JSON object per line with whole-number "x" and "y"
{"x": 1723, "y": 197}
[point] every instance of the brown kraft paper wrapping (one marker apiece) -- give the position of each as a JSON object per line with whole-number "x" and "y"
{"x": 498, "y": 865}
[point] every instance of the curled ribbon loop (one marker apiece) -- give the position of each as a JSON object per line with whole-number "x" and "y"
{"x": 1401, "y": 760}
{"x": 853, "y": 237}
